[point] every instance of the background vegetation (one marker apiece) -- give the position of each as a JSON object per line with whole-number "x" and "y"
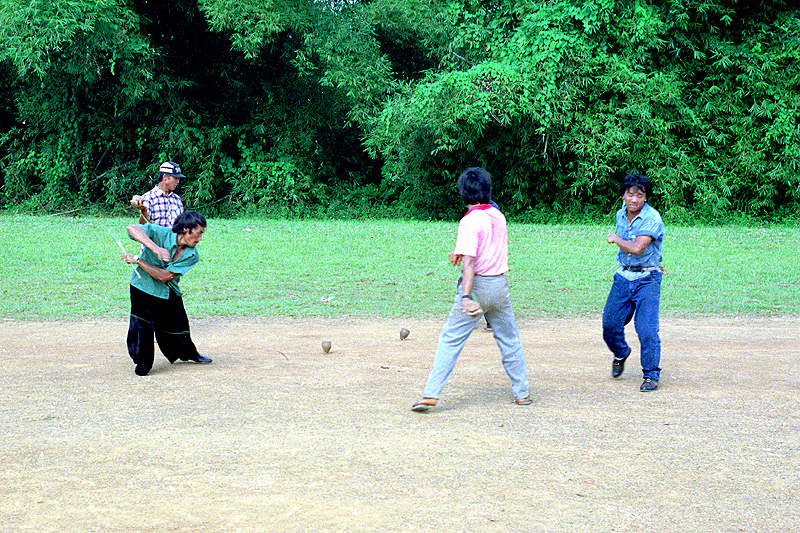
{"x": 370, "y": 108}
{"x": 69, "y": 268}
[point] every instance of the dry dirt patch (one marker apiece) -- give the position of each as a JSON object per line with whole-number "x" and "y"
{"x": 276, "y": 436}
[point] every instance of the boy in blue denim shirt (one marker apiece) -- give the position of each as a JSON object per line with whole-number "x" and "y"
{"x": 636, "y": 290}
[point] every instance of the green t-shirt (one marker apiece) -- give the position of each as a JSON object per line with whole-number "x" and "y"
{"x": 165, "y": 238}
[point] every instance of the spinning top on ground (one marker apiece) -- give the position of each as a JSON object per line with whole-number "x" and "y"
{"x": 403, "y": 333}
{"x": 326, "y": 346}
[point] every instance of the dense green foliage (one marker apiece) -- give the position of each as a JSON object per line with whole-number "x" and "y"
{"x": 343, "y": 109}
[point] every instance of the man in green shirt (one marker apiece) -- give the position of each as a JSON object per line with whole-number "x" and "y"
{"x": 156, "y": 300}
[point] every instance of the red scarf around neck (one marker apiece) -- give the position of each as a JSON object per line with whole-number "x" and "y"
{"x": 481, "y": 207}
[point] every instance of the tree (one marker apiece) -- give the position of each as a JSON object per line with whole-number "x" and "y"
{"x": 81, "y": 68}
{"x": 293, "y": 106}
{"x": 559, "y": 98}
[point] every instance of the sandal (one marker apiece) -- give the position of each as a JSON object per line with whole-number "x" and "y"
{"x": 523, "y": 401}
{"x": 424, "y": 404}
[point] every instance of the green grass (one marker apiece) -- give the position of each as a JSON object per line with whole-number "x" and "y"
{"x": 69, "y": 268}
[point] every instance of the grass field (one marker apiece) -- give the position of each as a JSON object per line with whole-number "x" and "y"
{"x": 69, "y": 268}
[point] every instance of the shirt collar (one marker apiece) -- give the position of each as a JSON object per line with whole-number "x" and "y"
{"x": 160, "y": 192}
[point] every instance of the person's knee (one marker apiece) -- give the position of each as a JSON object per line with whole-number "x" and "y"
{"x": 611, "y": 331}
{"x": 647, "y": 327}
{"x": 513, "y": 356}
{"x": 649, "y": 339}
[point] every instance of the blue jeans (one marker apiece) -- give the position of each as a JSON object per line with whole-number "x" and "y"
{"x": 638, "y": 299}
{"x": 493, "y": 294}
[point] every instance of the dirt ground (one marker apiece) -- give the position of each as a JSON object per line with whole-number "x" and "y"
{"x": 274, "y": 435}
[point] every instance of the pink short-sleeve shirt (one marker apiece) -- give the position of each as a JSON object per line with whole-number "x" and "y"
{"x": 483, "y": 234}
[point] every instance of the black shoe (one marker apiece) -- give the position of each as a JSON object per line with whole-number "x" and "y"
{"x": 198, "y": 359}
{"x": 618, "y": 366}
{"x": 649, "y": 384}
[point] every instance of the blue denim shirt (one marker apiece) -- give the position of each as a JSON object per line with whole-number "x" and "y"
{"x": 647, "y": 222}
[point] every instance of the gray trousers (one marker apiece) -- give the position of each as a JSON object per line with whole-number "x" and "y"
{"x": 493, "y": 294}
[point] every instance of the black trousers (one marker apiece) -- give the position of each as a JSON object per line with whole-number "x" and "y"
{"x": 167, "y": 320}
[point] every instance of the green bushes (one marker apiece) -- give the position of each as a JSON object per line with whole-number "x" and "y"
{"x": 373, "y": 109}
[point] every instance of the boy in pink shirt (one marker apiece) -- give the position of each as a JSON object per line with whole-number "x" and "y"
{"x": 482, "y": 252}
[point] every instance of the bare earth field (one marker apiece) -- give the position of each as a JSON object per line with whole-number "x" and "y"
{"x": 277, "y": 436}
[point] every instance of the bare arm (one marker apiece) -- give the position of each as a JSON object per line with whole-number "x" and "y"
{"x": 138, "y": 235}
{"x": 467, "y": 274}
{"x": 631, "y": 247}
{"x": 467, "y": 263}
{"x": 158, "y": 274}
{"x": 467, "y": 280}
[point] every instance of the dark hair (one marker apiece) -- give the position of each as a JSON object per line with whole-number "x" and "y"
{"x": 188, "y": 220}
{"x": 475, "y": 186}
{"x": 161, "y": 175}
{"x": 636, "y": 181}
